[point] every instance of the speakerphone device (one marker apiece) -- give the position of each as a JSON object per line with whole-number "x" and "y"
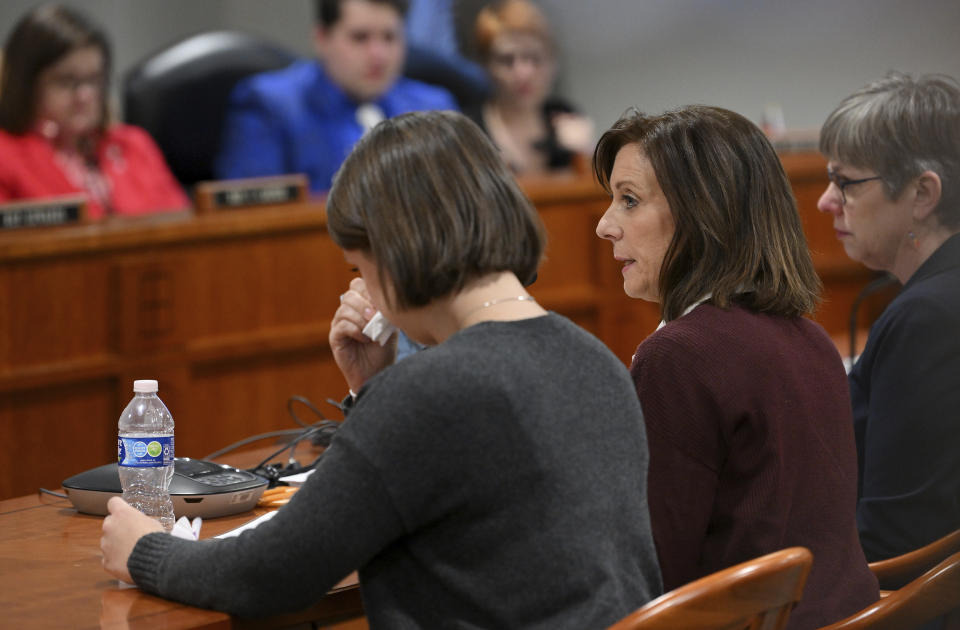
{"x": 198, "y": 488}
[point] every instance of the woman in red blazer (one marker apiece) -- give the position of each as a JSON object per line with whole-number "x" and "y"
{"x": 54, "y": 133}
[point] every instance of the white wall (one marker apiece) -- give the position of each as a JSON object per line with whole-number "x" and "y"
{"x": 742, "y": 54}
{"x": 138, "y": 28}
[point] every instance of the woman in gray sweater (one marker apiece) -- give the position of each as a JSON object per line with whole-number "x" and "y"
{"x": 495, "y": 479}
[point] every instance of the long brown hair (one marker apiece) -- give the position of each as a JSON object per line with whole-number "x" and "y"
{"x": 39, "y": 40}
{"x": 738, "y": 235}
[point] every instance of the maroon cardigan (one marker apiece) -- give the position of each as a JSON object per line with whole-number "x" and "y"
{"x": 751, "y": 450}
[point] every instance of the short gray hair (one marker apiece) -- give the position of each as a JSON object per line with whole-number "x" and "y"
{"x": 900, "y": 127}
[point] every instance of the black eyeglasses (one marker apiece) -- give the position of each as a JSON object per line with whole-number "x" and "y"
{"x": 842, "y": 182}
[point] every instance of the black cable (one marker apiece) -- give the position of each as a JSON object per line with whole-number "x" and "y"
{"x": 309, "y": 405}
{"x": 323, "y": 424}
{"x": 875, "y": 285}
{"x": 52, "y": 493}
{"x": 269, "y": 434}
{"x": 275, "y": 473}
{"x": 254, "y": 438}
{"x": 323, "y": 430}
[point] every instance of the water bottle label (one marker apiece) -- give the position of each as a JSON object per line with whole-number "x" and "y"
{"x": 145, "y": 452}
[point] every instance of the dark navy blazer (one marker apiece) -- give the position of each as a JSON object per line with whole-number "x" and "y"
{"x": 906, "y": 409}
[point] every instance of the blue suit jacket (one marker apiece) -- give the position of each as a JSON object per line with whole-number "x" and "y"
{"x": 906, "y": 411}
{"x": 296, "y": 120}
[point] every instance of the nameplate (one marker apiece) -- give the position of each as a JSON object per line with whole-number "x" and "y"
{"x": 43, "y": 213}
{"x": 246, "y": 193}
{"x": 267, "y": 195}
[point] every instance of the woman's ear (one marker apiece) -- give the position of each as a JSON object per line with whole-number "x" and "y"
{"x": 928, "y": 190}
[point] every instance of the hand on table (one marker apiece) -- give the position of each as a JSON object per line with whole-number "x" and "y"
{"x": 122, "y": 528}
{"x": 357, "y": 356}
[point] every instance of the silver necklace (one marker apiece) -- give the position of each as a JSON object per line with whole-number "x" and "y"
{"x": 513, "y": 298}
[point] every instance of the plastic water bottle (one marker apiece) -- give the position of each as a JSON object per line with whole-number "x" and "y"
{"x": 145, "y": 453}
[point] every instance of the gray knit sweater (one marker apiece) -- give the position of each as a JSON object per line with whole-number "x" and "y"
{"x": 497, "y": 480}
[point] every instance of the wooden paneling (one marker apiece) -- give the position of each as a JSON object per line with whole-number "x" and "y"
{"x": 51, "y": 432}
{"x": 230, "y": 312}
{"x": 567, "y": 279}
{"x": 41, "y": 297}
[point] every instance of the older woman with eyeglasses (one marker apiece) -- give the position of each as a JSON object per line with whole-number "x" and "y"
{"x": 55, "y": 135}
{"x": 894, "y": 196}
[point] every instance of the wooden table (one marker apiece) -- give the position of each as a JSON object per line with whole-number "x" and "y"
{"x": 51, "y": 577}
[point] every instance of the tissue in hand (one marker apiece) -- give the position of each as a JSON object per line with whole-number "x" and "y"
{"x": 379, "y": 328}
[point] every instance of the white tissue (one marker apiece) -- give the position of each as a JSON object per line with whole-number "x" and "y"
{"x": 183, "y": 528}
{"x": 379, "y": 328}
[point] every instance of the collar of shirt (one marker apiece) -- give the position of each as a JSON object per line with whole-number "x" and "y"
{"x": 688, "y": 309}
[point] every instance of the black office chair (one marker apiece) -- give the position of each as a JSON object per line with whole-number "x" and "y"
{"x": 469, "y": 85}
{"x": 179, "y": 94}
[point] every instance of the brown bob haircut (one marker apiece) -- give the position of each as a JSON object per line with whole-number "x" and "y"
{"x": 737, "y": 236}
{"x": 39, "y": 40}
{"x": 428, "y": 197}
{"x": 509, "y": 16}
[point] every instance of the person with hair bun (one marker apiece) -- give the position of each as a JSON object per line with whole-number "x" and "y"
{"x": 745, "y": 399}
{"x": 56, "y": 137}
{"x": 535, "y": 131}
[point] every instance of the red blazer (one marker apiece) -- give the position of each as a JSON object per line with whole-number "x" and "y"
{"x": 140, "y": 181}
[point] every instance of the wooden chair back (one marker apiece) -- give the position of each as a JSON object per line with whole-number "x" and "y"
{"x": 934, "y": 594}
{"x": 893, "y": 573}
{"x": 755, "y": 595}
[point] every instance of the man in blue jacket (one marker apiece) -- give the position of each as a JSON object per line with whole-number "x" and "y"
{"x": 306, "y": 118}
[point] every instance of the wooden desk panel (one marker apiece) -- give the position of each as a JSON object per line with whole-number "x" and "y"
{"x": 63, "y": 428}
{"x": 39, "y": 298}
{"x": 567, "y": 279}
{"x": 230, "y": 312}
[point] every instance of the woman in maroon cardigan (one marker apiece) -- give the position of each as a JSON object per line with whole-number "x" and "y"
{"x": 745, "y": 399}
{"x": 54, "y": 133}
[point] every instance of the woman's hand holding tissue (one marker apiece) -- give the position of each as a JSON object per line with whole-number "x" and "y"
{"x": 358, "y": 356}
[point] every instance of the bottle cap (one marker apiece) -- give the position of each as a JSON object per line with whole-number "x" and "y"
{"x": 145, "y": 386}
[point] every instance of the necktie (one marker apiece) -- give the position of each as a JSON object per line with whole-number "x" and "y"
{"x": 368, "y": 115}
